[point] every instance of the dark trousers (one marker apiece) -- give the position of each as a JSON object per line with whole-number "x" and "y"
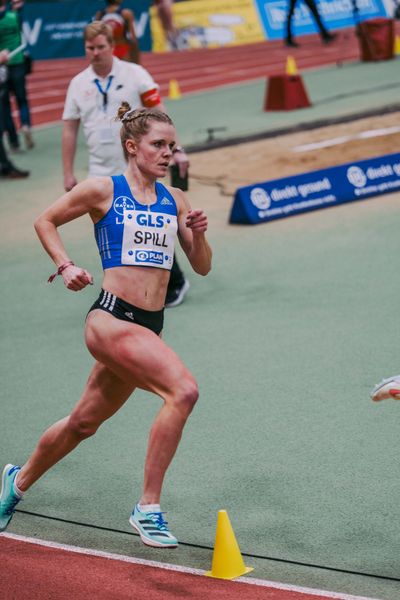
{"x": 177, "y": 277}
{"x": 4, "y": 161}
{"x": 314, "y": 11}
{"x": 9, "y": 125}
{"x": 16, "y": 85}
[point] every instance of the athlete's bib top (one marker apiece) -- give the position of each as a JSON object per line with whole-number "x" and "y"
{"x": 134, "y": 234}
{"x": 116, "y": 22}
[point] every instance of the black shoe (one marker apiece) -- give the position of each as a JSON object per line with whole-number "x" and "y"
{"x": 11, "y": 172}
{"x": 291, "y": 43}
{"x": 176, "y": 295}
{"x": 329, "y": 37}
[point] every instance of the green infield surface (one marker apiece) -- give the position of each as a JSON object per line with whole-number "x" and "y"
{"x": 287, "y": 335}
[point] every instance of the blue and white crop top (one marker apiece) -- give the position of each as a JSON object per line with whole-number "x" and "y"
{"x": 134, "y": 234}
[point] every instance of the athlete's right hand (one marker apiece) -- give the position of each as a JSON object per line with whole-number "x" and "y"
{"x": 69, "y": 182}
{"x": 76, "y": 279}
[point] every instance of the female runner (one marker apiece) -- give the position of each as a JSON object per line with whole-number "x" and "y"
{"x": 136, "y": 220}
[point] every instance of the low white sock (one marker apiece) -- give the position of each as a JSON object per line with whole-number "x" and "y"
{"x": 149, "y": 507}
{"x": 16, "y": 488}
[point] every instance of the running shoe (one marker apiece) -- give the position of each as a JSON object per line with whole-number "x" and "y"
{"x": 176, "y": 295}
{"x": 152, "y": 528}
{"x": 8, "y": 498}
{"x": 386, "y": 389}
{"x": 27, "y": 133}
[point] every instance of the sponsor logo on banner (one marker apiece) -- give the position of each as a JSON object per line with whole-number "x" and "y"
{"x": 335, "y": 14}
{"x": 356, "y": 176}
{"x": 56, "y": 31}
{"x": 326, "y": 187}
{"x": 377, "y": 179}
{"x": 260, "y": 198}
{"x": 209, "y": 23}
{"x": 31, "y": 34}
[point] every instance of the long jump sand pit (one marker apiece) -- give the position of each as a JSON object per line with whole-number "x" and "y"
{"x": 274, "y": 157}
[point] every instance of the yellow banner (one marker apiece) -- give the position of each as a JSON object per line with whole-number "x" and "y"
{"x": 208, "y": 24}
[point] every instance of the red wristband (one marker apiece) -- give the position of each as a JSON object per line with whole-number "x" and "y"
{"x": 60, "y": 270}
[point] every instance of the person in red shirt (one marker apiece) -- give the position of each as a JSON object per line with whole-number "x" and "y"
{"x": 122, "y": 22}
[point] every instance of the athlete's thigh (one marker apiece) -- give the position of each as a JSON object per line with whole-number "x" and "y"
{"x": 134, "y": 353}
{"x": 104, "y": 394}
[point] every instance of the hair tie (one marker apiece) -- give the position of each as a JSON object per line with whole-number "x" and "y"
{"x": 129, "y": 116}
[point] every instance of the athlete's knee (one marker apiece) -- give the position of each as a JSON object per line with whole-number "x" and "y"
{"x": 82, "y": 427}
{"x": 186, "y": 395}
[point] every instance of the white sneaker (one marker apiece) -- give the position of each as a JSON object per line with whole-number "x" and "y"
{"x": 386, "y": 389}
{"x": 175, "y": 296}
{"x": 27, "y": 133}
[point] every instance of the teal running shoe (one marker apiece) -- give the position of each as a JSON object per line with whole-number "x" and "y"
{"x": 8, "y": 497}
{"x": 152, "y": 528}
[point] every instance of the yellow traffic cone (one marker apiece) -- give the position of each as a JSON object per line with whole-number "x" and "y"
{"x": 227, "y": 562}
{"x": 291, "y": 67}
{"x": 174, "y": 90}
{"x": 397, "y": 45}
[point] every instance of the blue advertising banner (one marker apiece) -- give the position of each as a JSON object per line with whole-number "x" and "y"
{"x": 55, "y": 29}
{"x": 279, "y": 198}
{"x": 336, "y": 14}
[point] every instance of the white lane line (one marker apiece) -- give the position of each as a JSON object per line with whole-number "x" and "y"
{"x": 370, "y": 133}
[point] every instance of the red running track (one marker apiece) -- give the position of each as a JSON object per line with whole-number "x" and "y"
{"x": 195, "y": 70}
{"x": 35, "y": 572}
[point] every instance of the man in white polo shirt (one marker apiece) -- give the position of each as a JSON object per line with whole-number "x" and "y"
{"x": 93, "y": 98}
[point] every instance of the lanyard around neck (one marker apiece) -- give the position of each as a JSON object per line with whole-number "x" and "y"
{"x": 104, "y": 92}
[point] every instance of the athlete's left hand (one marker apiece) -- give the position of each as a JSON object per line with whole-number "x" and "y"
{"x": 197, "y": 221}
{"x": 182, "y": 160}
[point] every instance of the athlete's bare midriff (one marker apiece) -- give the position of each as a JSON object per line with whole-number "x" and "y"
{"x": 144, "y": 287}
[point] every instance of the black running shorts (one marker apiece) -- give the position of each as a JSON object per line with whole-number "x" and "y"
{"x": 152, "y": 319}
